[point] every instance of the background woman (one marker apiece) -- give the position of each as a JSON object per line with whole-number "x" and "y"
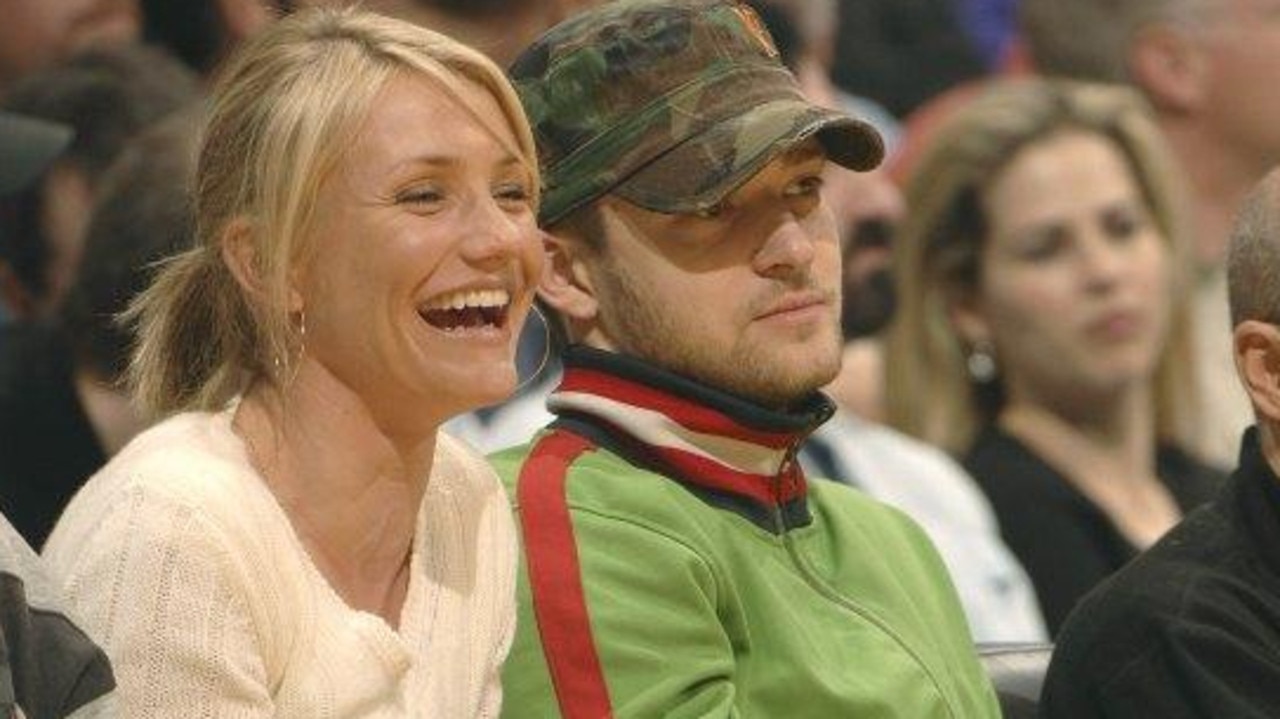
{"x": 295, "y": 539}
{"x": 1043, "y": 329}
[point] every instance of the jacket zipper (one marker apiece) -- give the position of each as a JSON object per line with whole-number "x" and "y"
{"x": 813, "y": 580}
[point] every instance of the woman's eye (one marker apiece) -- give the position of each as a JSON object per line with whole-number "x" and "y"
{"x": 1043, "y": 245}
{"x": 513, "y": 193}
{"x": 1123, "y": 223}
{"x": 420, "y": 196}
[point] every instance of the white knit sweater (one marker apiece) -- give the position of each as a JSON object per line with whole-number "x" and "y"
{"x": 180, "y": 562}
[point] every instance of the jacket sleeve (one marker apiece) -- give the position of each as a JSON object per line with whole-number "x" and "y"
{"x": 651, "y": 615}
{"x": 1197, "y": 672}
{"x": 1189, "y": 667}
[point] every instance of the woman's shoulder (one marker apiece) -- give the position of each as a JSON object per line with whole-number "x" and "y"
{"x": 191, "y": 462}
{"x": 462, "y": 467}
{"x": 1004, "y": 465}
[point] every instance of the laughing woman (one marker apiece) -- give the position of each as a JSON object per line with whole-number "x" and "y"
{"x": 1043, "y": 334}
{"x": 295, "y": 538}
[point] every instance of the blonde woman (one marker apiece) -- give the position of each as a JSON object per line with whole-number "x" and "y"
{"x": 295, "y": 538}
{"x": 1043, "y": 332}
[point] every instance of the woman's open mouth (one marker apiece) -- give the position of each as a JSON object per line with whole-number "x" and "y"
{"x": 467, "y": 310}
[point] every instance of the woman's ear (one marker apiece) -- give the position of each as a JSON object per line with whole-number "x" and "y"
{"x": 1257, "y": 354}
{"x": 240, "y": 253}
{"x": 970, "y": 321}
{"x": 566, "y": 283}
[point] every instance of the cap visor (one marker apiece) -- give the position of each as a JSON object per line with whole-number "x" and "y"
{"x": 699, "y": 172}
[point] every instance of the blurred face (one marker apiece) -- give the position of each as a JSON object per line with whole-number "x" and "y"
{"x": 37, "y": 32}
{"x": 867, "y": 206}
{"x": 425, "y": 254}
{"x": 1075, "y": 284}
{"x": 1242, "y": 49}
{"x": 745, "y": 300}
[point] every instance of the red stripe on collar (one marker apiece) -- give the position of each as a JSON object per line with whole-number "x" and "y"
{"x": 690, "y": 415}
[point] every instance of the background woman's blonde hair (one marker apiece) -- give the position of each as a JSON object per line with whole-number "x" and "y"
{"x": 283, "y": 112}
{"x": 937, "y": 257}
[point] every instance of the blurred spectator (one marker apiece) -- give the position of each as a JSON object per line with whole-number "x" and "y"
{"x": 498, "y": 28}
{"x": 1207, "y": 67}
{"x": 106, "y": 95}
{"x": 48, "y": 668}
{"x": 38, "y": 33}
{"x": 852, "y": 448}
{"x": 202, "y": 32}
{"x": 1043, "y": 333}
{"x": 1192, "y": 627}
{"x": 900, "y": 53}
{"x": 991, "y": 26}
{"x": 63, "y": 411}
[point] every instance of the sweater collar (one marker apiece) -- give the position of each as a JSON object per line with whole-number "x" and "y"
{"x": 727, "y": 449}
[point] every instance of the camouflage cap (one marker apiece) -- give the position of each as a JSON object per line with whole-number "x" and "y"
{"x": 671, "y": 104}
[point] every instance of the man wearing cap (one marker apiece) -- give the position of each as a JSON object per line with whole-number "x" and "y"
{"x": 677, "y": 561}
{"x": 48, "y": 667}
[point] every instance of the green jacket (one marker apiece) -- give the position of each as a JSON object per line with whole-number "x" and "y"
{"x": 666, "y": 575}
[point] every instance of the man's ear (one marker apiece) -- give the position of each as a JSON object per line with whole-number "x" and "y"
{"x": 566, "y": 280}
{"x": 1169, "y": 66}
{"x": 1257, "y": 354}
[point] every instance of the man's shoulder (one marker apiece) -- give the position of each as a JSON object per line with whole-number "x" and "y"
{"x": 848, "y": 506}
{"x": 1198, "y": 576}
{"x": 188, "y": 476}
{"x": 1188, "y": 621}
{"x": 599, "y": 482}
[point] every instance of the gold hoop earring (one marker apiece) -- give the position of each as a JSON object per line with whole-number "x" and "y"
{"x": 286, "y": 368}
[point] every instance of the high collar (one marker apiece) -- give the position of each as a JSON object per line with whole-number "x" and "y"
{"x": 1257, "y": 493}
{"x": 729, "y": 450}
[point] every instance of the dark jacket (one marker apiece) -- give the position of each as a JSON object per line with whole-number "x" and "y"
{"x": 1192, "y": 627}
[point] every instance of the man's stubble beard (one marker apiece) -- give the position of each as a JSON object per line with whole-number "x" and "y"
{"x": 639, "y": 329}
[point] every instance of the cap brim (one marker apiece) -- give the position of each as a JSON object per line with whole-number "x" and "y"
{"x": 27, "y": 147}
{"x": 698, "y": 173}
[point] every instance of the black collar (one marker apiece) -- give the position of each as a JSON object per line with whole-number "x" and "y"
{"x": 1257, "y": 492}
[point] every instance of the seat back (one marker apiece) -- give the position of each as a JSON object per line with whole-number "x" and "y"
{"x": 1017, "y": 673}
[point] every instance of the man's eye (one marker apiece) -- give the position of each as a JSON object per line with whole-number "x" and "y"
{"x": 807, "y": 186}
{"x": 712, "y": 212}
